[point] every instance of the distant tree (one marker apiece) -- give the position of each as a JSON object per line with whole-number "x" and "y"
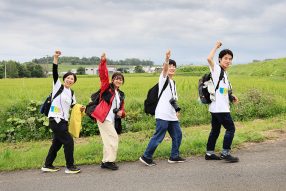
{"x": 2, "y": 70}
{"x": 23, "y": 71}
{"x": 122, "y": 70}
{"x": 11, "y": 69}
{"x": 80, "y": 71}
{"x": 93, "y": 61}
{"x": 36, "y": 70}
{"x": 138, "y": 69}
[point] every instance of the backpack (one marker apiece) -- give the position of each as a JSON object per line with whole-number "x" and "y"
{"x": 203, "y": 87}
{"x": 152, "y": 99}
{"x": 45, "y": 108}
{"x": 92, "y": 104}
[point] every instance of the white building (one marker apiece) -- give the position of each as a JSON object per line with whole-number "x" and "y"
{"x": 94, "y": 70}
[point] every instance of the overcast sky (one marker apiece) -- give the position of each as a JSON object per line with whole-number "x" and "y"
{"x": 144, "y": 29}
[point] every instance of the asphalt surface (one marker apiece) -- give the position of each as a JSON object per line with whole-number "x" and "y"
{"x": 262, "y": 167}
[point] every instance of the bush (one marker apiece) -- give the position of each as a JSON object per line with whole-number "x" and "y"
{"x": 23, "y": 120}
{"x": 256, "y": 104}
{"x": 24, "y": 123}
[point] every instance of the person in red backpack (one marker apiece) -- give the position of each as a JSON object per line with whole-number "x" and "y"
{"x": 109, "y": 112}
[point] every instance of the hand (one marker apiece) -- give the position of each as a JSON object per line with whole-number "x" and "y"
{"x": 178, "y": 114}
{"x": 57, "y": 53}
{"x": 218, "y": 44}
{"x": 103, "y": 56}
{"x": 82, "y": 108}
{"x": 168, "y": 55}
{"x": 119, "y": 113}
{"x": 56, "y": 56}
{"x": 235, "y": 100}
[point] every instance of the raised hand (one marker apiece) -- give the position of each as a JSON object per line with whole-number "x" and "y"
{"x": 103, "y": 56}
{"x": 56, "y": 56}
{"x": 168, "y": 55}
{"x": 218, "y": 44}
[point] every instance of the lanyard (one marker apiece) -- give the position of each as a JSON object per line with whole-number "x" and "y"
{"x": 174, "y": 89}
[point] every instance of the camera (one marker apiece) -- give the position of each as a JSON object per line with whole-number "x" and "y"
{"x": 174, "y": 103}
{"x": 230, "y": 96}
{"x": 115, "y": 111}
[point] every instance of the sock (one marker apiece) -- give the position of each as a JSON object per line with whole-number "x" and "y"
{"x": 225, "y": 152}
{"x": 209, "y": 153}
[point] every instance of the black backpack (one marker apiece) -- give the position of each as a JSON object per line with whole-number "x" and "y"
{"x": 152, "y": 99}
{"x": 92, "y": 104}
{"x": 203, "y": 89}
{"x": 45, "y": 108}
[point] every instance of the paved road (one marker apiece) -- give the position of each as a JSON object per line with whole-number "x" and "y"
{"x": 262, "y": 167}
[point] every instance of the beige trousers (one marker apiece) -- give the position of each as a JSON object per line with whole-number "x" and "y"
{"x": 110, "y": 140}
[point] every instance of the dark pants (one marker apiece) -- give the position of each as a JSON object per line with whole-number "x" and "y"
{"x": 162, "y": 126}
{"x": 219, "y": 119}
{"x": 61, "y": 137}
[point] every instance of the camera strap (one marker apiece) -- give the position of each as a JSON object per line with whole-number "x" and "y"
{"x": 174, "y": 89}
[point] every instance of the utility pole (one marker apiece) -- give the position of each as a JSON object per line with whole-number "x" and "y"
{"x": 5, "y": 70}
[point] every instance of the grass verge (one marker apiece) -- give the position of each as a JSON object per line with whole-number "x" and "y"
{"x": 27, "y": 155}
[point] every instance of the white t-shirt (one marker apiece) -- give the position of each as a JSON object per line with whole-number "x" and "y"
{"x": 164, "y": 109}
{"x": 116, "y": 101}
{"x": 221, "y": 103}
{"x": 61, "y": 105}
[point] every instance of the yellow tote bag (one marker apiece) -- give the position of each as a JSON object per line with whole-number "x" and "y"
{"x": 75, "y": 120}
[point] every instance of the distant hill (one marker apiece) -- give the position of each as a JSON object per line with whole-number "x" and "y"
{"x": 275, "y": 67}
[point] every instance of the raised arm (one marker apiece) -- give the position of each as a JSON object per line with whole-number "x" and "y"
{"x": 212, "y": 53}
{"x": 55, "y": 65}
{"x": 103, "y": 73}
{"x": 166, "y": 63}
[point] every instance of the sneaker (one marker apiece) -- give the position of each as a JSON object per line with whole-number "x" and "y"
{"x": 176, "y": 160}
{"x": 148, "y": 162}
{"x": 229, "y": 158}
{"x": 50, "y": 169}
{"x": 109, "y": 165}
{"x": 212, "y": 157}
{"x": 72, "y": 170}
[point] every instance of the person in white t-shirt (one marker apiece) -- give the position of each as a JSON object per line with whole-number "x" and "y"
{"x": 219, "y": 108}
{"x": 166, "y": 114}
{"x": 58, "y": 120}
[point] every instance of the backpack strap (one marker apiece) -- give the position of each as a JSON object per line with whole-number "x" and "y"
{"x": 164, "y": 87}
{"x": 72, "y": 93}
{"x": 58, "y": 92}
{"x": 220, "y": 77}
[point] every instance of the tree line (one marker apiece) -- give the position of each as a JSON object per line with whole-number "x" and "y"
{"x": 35, "y": 69}
{"x": 94, "y": 61}
{"x": 16, "y": 70}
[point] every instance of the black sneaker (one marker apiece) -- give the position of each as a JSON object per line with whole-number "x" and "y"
{"x": 176, "y": 160}
{"x": 109, "y": 165}
{"x": 212, "y": 157}
{"x": 229, "y": 158}
{"x": 72, "y": 170}
{"x": 50, "y": 168}
{"x": 148, "y": 162}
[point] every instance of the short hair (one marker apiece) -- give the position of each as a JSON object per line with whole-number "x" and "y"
{"x": 68, "y": 74}
{"x": 225, "y": 52}
{"x": 115, "y": 74}
{"x": 172, "y": 62}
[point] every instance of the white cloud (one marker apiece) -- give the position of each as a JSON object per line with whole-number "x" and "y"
{"x": 142, "y": 28}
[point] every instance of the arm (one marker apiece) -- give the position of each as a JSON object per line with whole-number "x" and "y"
{"x": 212, "y": 53}
{"x": 103, "y": 73}
{"x": 166, "y": 63}
{"x": 55, "y": 65}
